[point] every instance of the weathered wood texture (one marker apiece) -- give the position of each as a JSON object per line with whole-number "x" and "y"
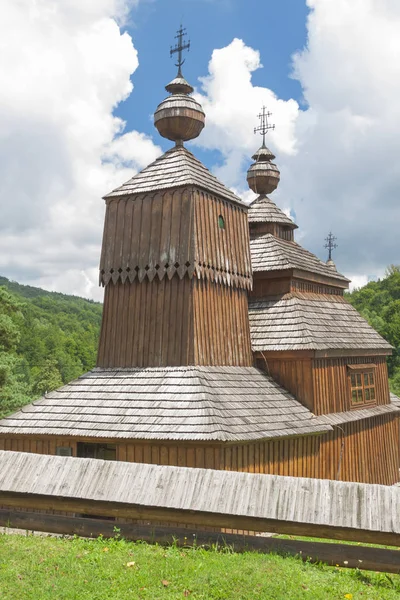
{"x": 147, "y": 324}
{"x": 176, "y": 266}
{"x": 322, "y": 384}
{"x": 294, "y": 373}
{"x": 264, "y": 287}
{"x": 221, "y": 325}
{"x": 255, "y": 502}
{"x": 365, "y": 451}
{"x": 193, "y": 403}
{"x": 332, "y": 385}
{"x": 282, "y": 231}
{"x": 222, "y": 254}
{"x": 342, "y": 555}
{"x": 174, "y": 323}
{"x": 310, "y": 287}
{"x": 175, "y": 232}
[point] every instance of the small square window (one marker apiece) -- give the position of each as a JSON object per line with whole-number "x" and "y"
{"x": 362, "y": 384}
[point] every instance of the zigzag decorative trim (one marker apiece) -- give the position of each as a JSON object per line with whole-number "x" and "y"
{"x": 202, "y": 271}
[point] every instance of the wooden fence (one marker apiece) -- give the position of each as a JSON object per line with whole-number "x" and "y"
{"x": 201, "y": 498}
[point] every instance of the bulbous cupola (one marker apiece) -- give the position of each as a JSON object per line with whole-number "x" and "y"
{"x": 263, "y": 175}
{"x": 179, "y": 117}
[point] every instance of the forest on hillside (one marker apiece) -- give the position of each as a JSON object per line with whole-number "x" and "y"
{"x": 379, "y": 303}
{"x": 47, "y": 338}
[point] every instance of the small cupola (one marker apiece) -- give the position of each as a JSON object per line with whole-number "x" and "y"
{"x": 263, "y": 175}
{"x": 263, "y": 178}
{"x": 179, "y": 117}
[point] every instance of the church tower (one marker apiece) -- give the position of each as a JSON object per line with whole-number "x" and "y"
{"x": 175, "y": 260}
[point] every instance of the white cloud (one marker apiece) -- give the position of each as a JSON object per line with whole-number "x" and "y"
{"x": 65, "y": 67}
{"x": 232, "y": 103}
{"x": 338, "y": 156}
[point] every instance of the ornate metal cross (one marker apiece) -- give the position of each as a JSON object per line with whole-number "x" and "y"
{"x": 330, "y": 244}
{"x": 264, "y": 126}
{"x": 179, "y": 48}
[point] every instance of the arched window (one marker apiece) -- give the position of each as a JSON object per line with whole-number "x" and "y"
{"x": 221, "y": 222}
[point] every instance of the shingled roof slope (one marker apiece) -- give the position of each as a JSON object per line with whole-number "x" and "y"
{"x": 269, "y": 253}
{"x": 171, "y": 403}
{"x": 263, "y": 210}
{"x": 175, "y": 168}
{"x": 310, "y": 322}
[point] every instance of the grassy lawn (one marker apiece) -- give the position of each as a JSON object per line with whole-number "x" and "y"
{"x": 44, "y": 568}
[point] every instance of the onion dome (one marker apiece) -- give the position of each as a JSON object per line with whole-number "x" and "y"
{"x": 179, "y": 117}
{"x": 263, "y": 175}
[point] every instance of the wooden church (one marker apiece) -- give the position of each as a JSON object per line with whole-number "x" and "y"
{"x": 224, "y": 344}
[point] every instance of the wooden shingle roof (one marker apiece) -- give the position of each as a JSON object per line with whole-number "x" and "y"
{"x": 310, "y": 322}
{"x": 358, "y": 415}
{"x": 177, "y": 167}
{"x": 269, "y": 253}
{"x": 171, "y": 403}
{"x": 263, "y": 210}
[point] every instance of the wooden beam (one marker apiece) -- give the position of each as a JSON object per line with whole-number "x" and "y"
{"x": 341, "y": 555}
{"x": 196, "y": 518}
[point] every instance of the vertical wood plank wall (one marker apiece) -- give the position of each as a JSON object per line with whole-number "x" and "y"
{"x": 331, "y": 383}
{"x": 221, "y": 325}
{"x": 322, "y": 384}
{"x": 147, "y": 324}
{"x": 146, "y": 235}
{"x": 293, "y": 374}
{"x": 227, "y": 249}
{"x": 366, "y": 451}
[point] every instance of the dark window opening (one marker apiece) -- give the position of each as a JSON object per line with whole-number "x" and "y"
{"x": 221, "y": 222}
{"x": 101, "y": 451}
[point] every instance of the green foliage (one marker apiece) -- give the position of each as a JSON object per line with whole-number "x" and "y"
{"x": 379, "y": 303}
{"x": 46, "y": 339}
{"x": 47, "y": 568}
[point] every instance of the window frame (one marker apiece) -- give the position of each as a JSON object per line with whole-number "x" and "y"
{"x": 362, "y": 382}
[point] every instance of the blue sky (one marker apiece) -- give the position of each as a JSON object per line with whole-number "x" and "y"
{"x": 276, "y": 29}
{"x": 330, "y": 77}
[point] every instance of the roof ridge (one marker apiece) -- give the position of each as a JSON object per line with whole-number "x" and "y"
{"x": 261, "y": 205}
{"x": 177, "y": 167}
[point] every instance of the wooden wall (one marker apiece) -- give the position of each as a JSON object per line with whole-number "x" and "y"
{"x": 147, "y": 235}
{"x": 293, "y": 373}
{"x": 264, "y": 287}
{"x": 174, "y": 322}
{"x": 221, "y": 254}
{"x": 285, "y": 232}
{"x": 147, "y": 324}
{"x": 364, "y": 451}
{"x": 322, "y": 384}
{"x": 331, "y": 382}
{"x": 221, "y": 325}
{"x": 175, "y": 231}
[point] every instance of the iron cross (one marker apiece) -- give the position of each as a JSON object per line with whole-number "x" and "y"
{"x": 179, "y": 48}
{"x": 330, "y": 244}
{"x": 264, "y": 127}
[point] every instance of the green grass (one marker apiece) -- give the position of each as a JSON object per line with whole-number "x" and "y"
{"x": 44, "y": 568}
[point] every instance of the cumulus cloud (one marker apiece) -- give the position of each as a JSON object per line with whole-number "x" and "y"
{"x": 231, "y": 103}
{"x": 61, "y": 147}
{"x": 337, "y": 156}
